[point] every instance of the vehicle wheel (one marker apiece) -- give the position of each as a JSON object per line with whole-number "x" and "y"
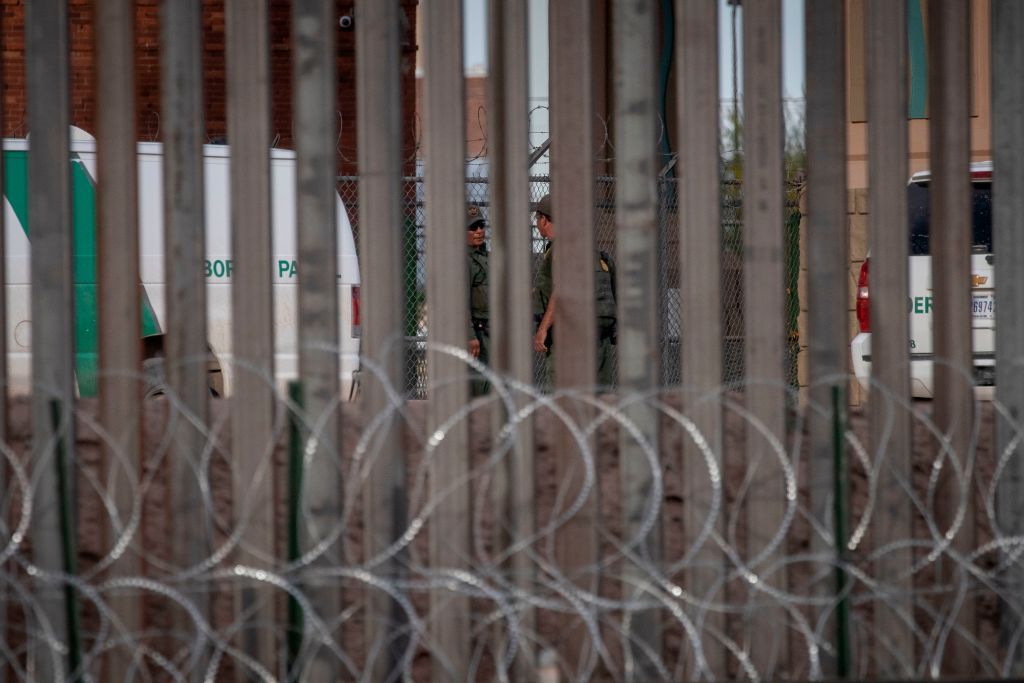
{"x": 154, "y": 373}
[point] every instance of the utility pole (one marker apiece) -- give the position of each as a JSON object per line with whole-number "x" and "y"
{"x": 735, "y": 4}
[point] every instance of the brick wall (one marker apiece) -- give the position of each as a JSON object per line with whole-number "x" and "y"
{"x": 147, "y": 60}
{"x": 476, "y": 115}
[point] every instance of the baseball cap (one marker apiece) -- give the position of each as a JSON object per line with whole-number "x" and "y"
{"x": 473, "y": 216}
{"x": 544, "y": 206}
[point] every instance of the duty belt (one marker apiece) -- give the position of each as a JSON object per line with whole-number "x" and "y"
{"x": 607, "y": 328}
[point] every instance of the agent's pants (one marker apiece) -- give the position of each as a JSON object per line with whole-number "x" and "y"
{"x": 605, "y": 367}
{"x": 478, "y": 385}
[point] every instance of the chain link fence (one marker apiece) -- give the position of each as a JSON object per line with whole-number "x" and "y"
{"x": 670, "y": 325}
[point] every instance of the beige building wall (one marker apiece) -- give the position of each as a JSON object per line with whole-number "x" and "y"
{"x": 857, "y": 132}
{"x": 857, "y": 154}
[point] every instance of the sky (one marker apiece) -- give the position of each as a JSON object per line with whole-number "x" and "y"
{"x": 475, "y": 60}
{"x": 475, "y": 34}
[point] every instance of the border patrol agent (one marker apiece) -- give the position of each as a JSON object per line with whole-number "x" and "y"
{"x": 544, "y": 305}
{"x": 479, "y": 313}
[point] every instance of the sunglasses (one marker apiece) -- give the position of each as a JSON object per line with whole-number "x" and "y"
{"x": 476, "y": 226}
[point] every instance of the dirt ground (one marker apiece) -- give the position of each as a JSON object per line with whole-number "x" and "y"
{"x": 554, "y": 629}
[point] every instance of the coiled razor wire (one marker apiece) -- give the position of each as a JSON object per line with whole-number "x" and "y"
{"x": 785, "y": 576}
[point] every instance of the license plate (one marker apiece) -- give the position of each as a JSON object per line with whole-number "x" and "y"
{"x": 983, "y": 306}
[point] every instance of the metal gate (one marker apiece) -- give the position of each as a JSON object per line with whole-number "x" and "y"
{"x": 712, "y": 516}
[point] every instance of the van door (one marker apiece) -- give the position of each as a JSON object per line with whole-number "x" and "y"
{"x": 920, "y": 288}
{"x": 983, "y": 304}
{"x": 83, "y": 192}
{"x": 982, "y": 280}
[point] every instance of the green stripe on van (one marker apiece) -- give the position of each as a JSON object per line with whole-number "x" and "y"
{"x": 16, "y": 185}
{"x": 83, "y": 192}
{"x": 83, "y": 218}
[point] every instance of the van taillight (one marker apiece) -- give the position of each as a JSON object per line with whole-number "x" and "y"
{"x": 863, "y": 300}
{"x": 355, "y": 312}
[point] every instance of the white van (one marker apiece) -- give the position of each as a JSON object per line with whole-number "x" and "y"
{"x": 218, "y": 266}
{"x": 983, "y": 312}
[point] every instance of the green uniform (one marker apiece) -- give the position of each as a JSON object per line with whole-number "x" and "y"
{"x": 479, "y": 314}
{"x": 543, "y": 285}
{"x": 604, "y": 309}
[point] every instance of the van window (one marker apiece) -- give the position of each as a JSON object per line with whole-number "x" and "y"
{"x": 919, "y": 218}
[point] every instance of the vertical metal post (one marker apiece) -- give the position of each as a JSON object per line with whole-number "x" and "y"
{"x": 575, "y": 326}
{"x": 380, "y": 219}
{"x": 49, "y": 204}
{"x": 66, "y": 504}
{"x": 118, "y": 283}
{"x": 313, "y": 29}
{"x": 700, "y": 231}
{"x": 509, "y": 282}
{"x": 1008, "y": 232}
{"x": 295, "y": 618}
{"x": 444, "y": 174}
{"x": 4, "y": 374}
{"x": 828, "y": 262}
{"x": 572, "y": 180}
{"x": 840, "y": 522}
{"x": 764, "y": 320}
{"x": 636, "y": 218}
{"x": 890, "y": 435}
{"x": 949, "y": 138}
{"x": 184, "y": 243}
{"x": 252, "y": 406}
